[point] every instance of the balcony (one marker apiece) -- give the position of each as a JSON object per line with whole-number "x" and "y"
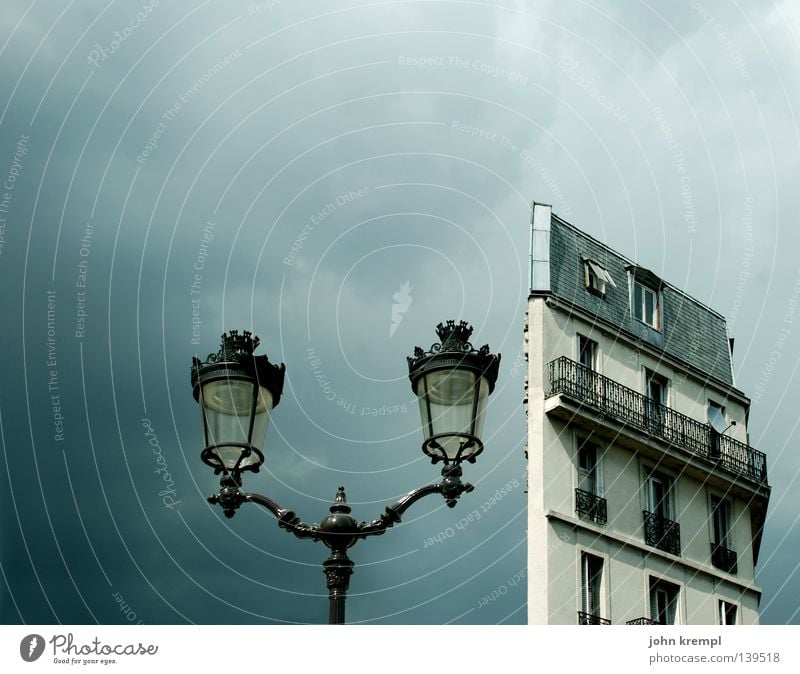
{"x": 591, "y": 619}
{"x": 662, "y": 533}
{"x": 642, "y": 621}
{"x": 591, "y": 506}
{"x": 723, "y": 558}
{"x": 626, "y": 406}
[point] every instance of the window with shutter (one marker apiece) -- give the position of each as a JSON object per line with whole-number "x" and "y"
{"x": 727, "y": 613}
{"x": 591, "y": 578}
{"x": 663, "y": 602}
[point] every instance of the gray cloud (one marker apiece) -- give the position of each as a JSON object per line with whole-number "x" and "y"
{"x": 669, "y": 133}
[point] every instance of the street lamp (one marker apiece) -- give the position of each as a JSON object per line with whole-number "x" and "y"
{"x": 237, "y": 391}
{"x": 452, "y": 382}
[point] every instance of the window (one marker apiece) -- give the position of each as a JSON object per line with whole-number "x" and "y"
{"x": 587, "y": 352}
{"x": 596, "y": 278}
{"x": 591, "y": 579}
{"x": 659, "y": 500}
{"x": 722, "y": 555}
{"x": 716, "y": 417}
{"x": 657, "y": 394}
{"x": 717, "y": 426}
{"x": 657, "y": 387}
{"x": 663, "y": 602}
{"x": 588, "y": 499}
{"x": 660, "y": 530}
{"x": 727, "y": 613}
{"x": 720, "y": 517}
{"x": 592, "y": 386}
{"x": 588, "y": 473}
{"x": 645, "y": 305}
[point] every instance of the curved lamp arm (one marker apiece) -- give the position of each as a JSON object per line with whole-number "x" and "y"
{"x": 286, "y": 518}
{"x": 450, "y": 487}
{"x": 230, "y": 497}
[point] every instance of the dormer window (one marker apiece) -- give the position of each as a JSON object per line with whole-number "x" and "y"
{"x": 646, "y": 295}
{"x": 645, "y": 306}
{"x": 596, "y": 278}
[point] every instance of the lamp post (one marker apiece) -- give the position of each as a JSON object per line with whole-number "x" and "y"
{"x": 238, "y": 390}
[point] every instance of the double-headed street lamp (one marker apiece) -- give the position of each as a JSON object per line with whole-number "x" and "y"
{"x": 238, "y": 390}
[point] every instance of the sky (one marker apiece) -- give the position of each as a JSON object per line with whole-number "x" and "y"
{"x": 339, "y": 177}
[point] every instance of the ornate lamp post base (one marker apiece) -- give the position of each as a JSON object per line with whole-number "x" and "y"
{"x": 338, "y": 569}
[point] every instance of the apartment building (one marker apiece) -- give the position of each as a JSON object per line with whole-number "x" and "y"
{"x": 646, "y": 502}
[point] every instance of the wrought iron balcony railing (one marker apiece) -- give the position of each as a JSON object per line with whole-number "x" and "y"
{"x": 662, "y": 533}
{"x": 591, "y": 505}
{"x": 627, "y": 406}
{"x": 591, "y": 619}
{"x": 642, "y": 621}
{"x": 723, "y": 558}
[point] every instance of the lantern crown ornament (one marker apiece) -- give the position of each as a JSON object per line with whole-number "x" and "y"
{"x": 454, "y": 336}
{"x": 453, "y": 381}
{"x": 235, "y": 345}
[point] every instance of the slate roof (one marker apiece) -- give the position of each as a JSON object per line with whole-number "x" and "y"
{"x": 691, "y": 331}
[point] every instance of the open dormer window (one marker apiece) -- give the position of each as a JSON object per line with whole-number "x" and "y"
{"x": 596, "y": 278}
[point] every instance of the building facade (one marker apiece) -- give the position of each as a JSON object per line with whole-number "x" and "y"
{"x": 646, "y": 503}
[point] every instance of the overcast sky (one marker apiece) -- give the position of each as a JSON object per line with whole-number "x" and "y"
{"x": 338, "y": 178}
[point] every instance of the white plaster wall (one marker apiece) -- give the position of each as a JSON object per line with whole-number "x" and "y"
{"x": 554, "y": 546}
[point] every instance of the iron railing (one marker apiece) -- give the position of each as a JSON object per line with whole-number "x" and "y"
{"x": 627, "y": 406}
{"x": 591, "y": 619}
{"x": 591, "y": 505}
{"x": 723, "y": 558}
{"x": 662, "y": 533}
{"x": 642, "y": 621}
